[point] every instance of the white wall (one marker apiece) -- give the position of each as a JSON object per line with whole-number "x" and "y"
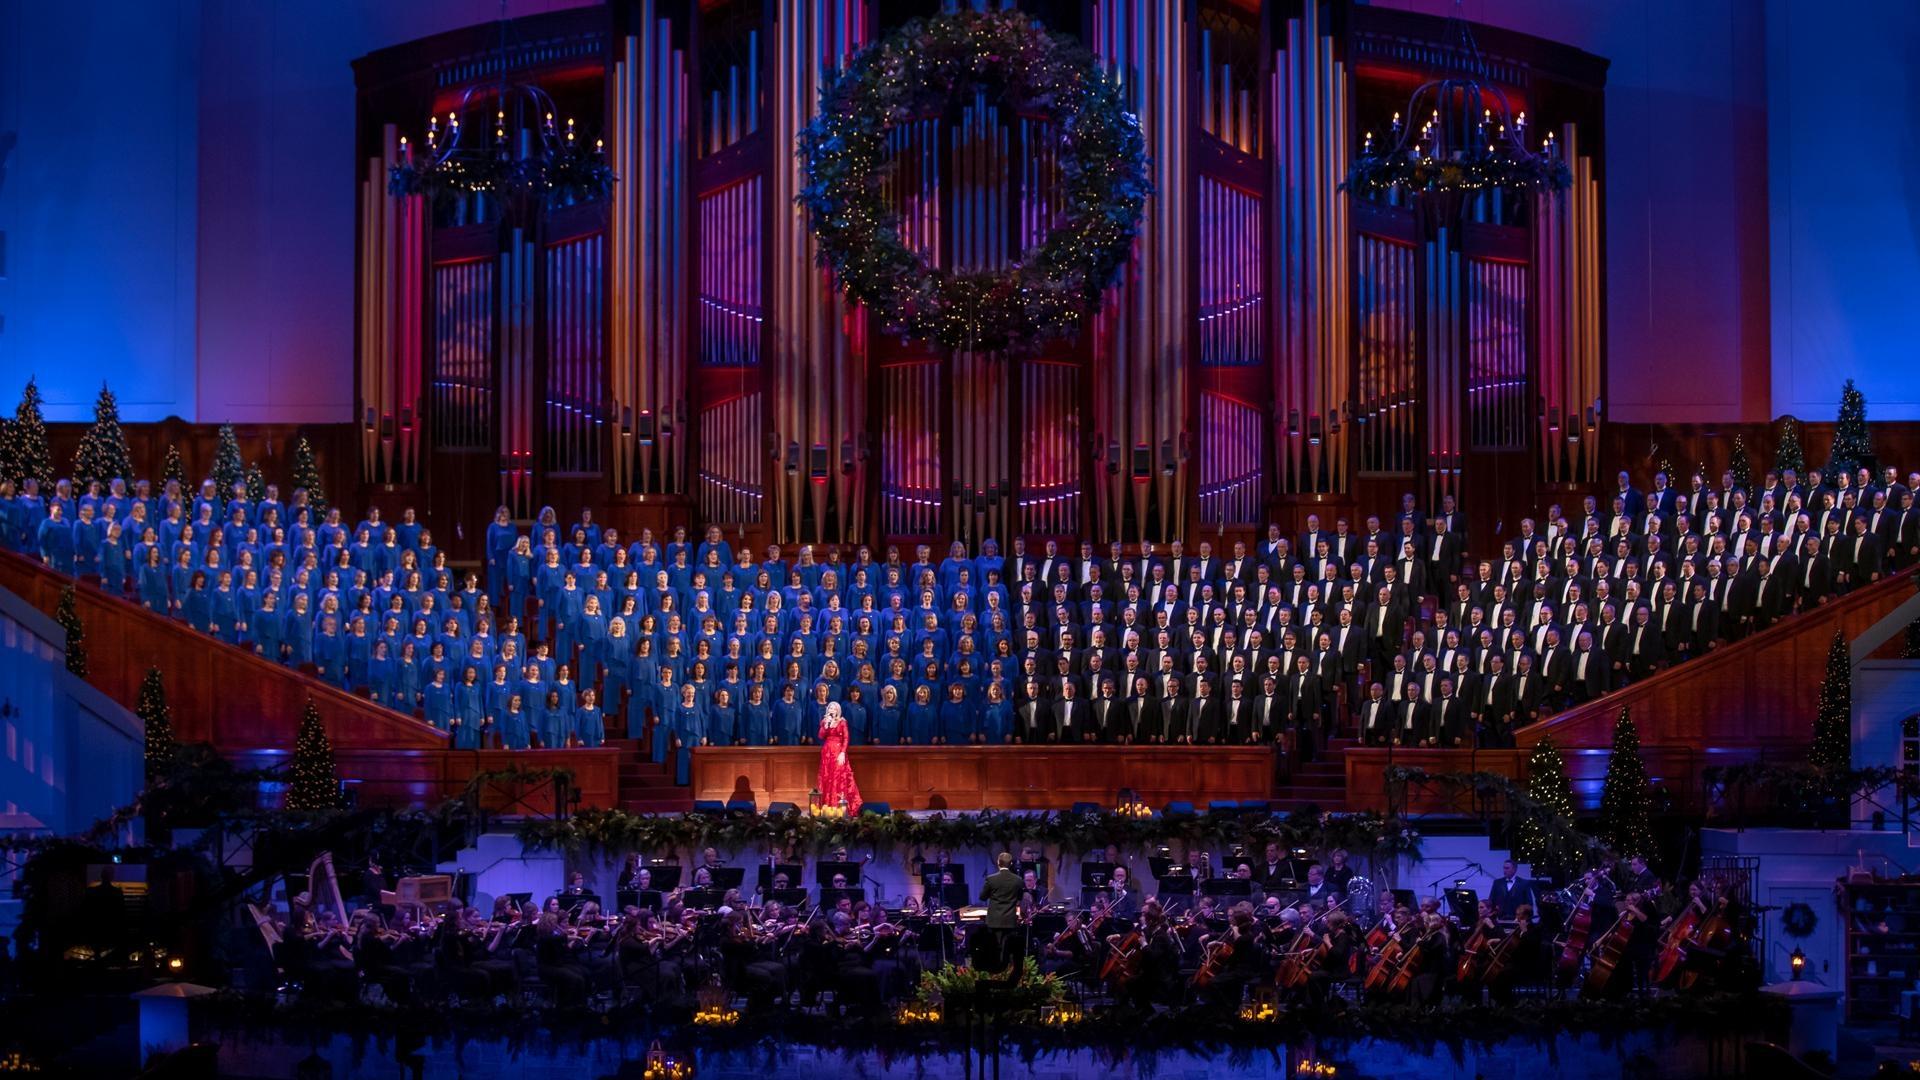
{"x": 98, "y": 203}
{"x": 1845, "y": 169}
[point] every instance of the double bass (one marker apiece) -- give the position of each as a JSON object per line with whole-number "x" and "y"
{"x": 1573, "y": 940}
{"x": 1474, "y": 955}
{"x": 1713, "y": 933}
{"x": 1673, "y": 943}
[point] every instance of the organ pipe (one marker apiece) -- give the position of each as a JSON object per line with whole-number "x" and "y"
{"x": 393, "y": 238}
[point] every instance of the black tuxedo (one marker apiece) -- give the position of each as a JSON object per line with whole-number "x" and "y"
{"x": 1508, "y": 894}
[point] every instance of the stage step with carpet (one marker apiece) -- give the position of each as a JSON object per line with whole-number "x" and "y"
{"x": 1317, "y": 784}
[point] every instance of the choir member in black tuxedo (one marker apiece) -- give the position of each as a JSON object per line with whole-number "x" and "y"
{"x": 1491, "y": 703}
{"x": 1144, "y": 718}
{"x": 1814, "y": 581}
{"x": 1449, "y": 719}
{"x": 1590, "y": 674}
{"x": 1072, "y": 719}
{"x": 1510, "y": 890}
{"x": 1201, "y": 724}
{"x": 1303, "y": 704}
{"x": 1860, "y": 563}
{"x": 1376, "y": 716}
{"x": 1412, "y": 724}
{"x": 1269, "y": 711}
{"x": 1109, "y": 711}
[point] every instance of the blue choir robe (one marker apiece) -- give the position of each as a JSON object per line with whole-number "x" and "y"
{"x": 359, "y": 658}
{"x": 689, "y": 723}
{"x": 407, "y": 682}
{"x": 556, "y": 723}
{"x": 439, "y": 705}
{"x": 756, "y": 723}
{"x": 589, "y": 725}
{"x": 956, "y": 720}
{"x": 86, "y": 547}
{"x": 883, "y": 724}
{"x": 298, "y": 634}
{"x": 54, "y": 541}
{"x": 469, "y": 707}
{"x": 515, "y": 734}
{"x": 996, "y": 721}
{"x": 500, "y": 542}
{"x": 923, "y": 722}
{"x": 156, "y": 584}
{"x": 198, "y": 607}
{"x": 722, "y": 723}
{"x": 330, "y": 656}
{"x": 789, "y": 718}
{"x": 857, "y": 720}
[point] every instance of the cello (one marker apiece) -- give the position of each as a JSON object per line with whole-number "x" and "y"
{"x": 1712, "y": 933}
{"x": 1610, "y": 952}
{"x": 1402, "y": 980}
{"x": 1385, "y": 961}
{"x": 1573, "y": 940}
{"x": 1473, "y": 955}
{"x": 1674, "y": 941}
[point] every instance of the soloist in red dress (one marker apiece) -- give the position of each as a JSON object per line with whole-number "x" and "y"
{"x": 836, "y": 775}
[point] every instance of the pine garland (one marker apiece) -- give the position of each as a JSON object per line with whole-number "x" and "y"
{"x": 306, "y": 474}
{"x": 1790, "y": 454}
{"x": 1626, "y": 804}
{"x": 173, "y": 468}
{"x": 103, "y": 453}
{"x": 1833, "y": 722}
{"x": 1548, "y": 786}
{"x": 227, "y": 467}
{"x": 315, "y": 785}
{"x": 69, "y": 620}
{"x": 28, "y": 454}
{"x": 1852, "y": 442}
{"x": 152, "y": 709}
{"x": 1740, "y": 465}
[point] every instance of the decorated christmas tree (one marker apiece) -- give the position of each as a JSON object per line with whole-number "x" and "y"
{"x": 1626, "y": 804}
{"x": 256, "y": 484}
{"x": 69, "y": 620}
{"x": 1852, "y": 444}
{"x": 153, "y": 711}
{"x": 174, "y": 468}
{"x": 227, "y": 468}
{"x": 1790, "y": 454}
{"x": 314, "y": 786}
{"x": 1833, "y": 723}
{"x": 306, "y": 474}
{"x": 27, "y": 453}
{"x": 103, "y": 453}
{"x": 1740, "y": 465}
{"x": 1912, "y": 649}
{"x": 1547, "y": 786}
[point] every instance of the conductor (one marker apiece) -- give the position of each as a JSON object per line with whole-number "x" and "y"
{"x": 1001, "y": 893}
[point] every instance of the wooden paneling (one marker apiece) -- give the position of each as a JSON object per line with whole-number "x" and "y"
{"x": 999, "y": 778}
{"x": 249, "y": 709}
{"x": 268, "y": 445}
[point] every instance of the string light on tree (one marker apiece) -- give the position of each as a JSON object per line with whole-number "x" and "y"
{"x": 1833, "y": 721}
{"x": 1852, "y": 442}
{"x": 1547, "y": 785}
{"x": 1790, "y": 454}
{"x": 157, "y": 717}
{"x": 1626, "y": 803}
{"x": 103, "y": 454}
{"x": 315, "y": 785}
{"x": 69, "y": 620}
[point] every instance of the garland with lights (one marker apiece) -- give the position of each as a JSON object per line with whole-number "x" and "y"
{"x": 618, "y": 831}
{"x": 1373, "y": 173}
{"x": 76, "y": 634}
{"x": 922, "y": 69}
{"x": 572, "y": 173}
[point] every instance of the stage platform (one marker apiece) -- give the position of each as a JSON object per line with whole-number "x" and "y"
{"x": 992, "y": 777}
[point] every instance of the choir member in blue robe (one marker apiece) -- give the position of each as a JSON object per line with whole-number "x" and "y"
{"x": 469, "y": 710}
{"x": 54, "y": 539}
{"x": 956, "y": 716}
{"x": 756, "y": 716}
{"x": 996, "y": 720}
{"x": 555, "y": 721}
{"x": 923, "y": 717}
{"x": 297, "y": 632}
{"x": 723, "y": 719}
{"x": 789, "y": 717}
{"x": 501, "y": 536}
{"x": 330, "y": 651}
{"x": 156, "y": 583}
{"x": 359, "y": 649}
{"x": 618, "y": 660}
{"x": 438, "y": 701}
{"x": 520, "y": 564}
{"x": 589, "y": 724}
{"x": 225, "y": 611}
{"x": 410, "y": 674}
{"x": 198, "y": 605}
{"x": 663, "y": 697}
{"x": 883, "y": 720}
{"x": 854, "y": 710}
{"x": 515, "y": 732}
{"x": 86, "y": 543}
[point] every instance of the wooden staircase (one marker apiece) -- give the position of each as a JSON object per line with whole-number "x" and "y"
{"x": 646, "y": 787}
{"x": 1317, "y": 784}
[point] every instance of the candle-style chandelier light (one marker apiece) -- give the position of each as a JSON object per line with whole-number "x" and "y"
{"x": 1457, "y": 135}
{"x": 503, "y": 139}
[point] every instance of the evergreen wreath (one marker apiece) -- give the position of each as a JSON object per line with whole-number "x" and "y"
{"x": 926, "y": 67}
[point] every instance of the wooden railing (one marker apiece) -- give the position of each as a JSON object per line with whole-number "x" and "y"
{"x": 249, "y": 708}
{"x": 1743, "y": 701}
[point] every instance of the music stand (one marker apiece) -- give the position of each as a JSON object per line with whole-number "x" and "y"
{"x": 664, "y": 876}
{"x": 519, "y": 899}
{"x": 1095, "y": 875}
{"x": 650, "y": 899}
{"x": 1038, "y": 866}
{"x": 1226, "y": 887}
{"x": 1464, "y": 905}
{"x": 790, "y": 897}
{"x": 952, "y": 896}
{"x": 1176, "y": 891}
{"x": 571, "y": 902}
{"x": 1160, "y": 866}
{"x": 727, "y": 877}
{"x": 703, "y": 899}
{"x": 823, "y": 872}
{"x": 930, "y": 873}
{"x": 830, "y": 898}
{"x": 768, "y": 873}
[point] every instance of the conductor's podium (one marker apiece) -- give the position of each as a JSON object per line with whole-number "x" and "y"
{"x": 992, "y": 777}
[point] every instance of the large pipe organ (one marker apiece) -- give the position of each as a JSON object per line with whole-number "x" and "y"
{"x": 673, "y": 354}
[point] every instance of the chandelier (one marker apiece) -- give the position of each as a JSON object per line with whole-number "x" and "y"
{"x": 1468, "y": 138}
{"x": 501, "y": 140}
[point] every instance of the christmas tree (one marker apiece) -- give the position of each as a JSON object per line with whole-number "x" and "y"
{"x": 1852, "y": 444}
{"x": 1790, "y": 454}
{"x": 27, "y": 453}
{"x": 1740, "y": 465}
{"x": 173, "y": 469}
{"x": 1833, "y": 723}
{"x": 314, "y": 787}
{"x": 69, "y": 620}
{"x": 1912, "y": 650}
{"x": 1626, "y": 805}
{"x": 1548, "y": 786}
{"x": 152, "y": 709}
{"x": 227, "y": 469}
{"x": 103, "y": 454}
{"x": 256, "y": 484}
{"x": 306, "y": 474}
